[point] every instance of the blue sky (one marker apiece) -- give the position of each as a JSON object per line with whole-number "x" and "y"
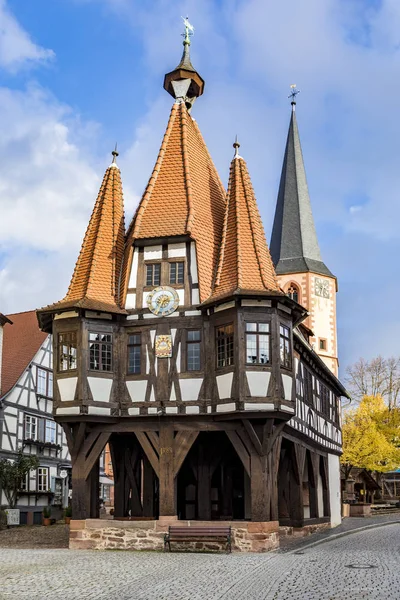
{"x": 78, "y": 75}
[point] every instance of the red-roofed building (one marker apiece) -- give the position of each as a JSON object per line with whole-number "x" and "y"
{"x": 26, "y": 415}
{"x": 180, "y": 350}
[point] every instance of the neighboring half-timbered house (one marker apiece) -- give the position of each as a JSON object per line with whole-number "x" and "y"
{"x": 26, "y": 417}
{"x": 176, "y": 345}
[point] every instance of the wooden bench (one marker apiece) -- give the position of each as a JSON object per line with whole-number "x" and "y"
{"x": 198, "y": 534}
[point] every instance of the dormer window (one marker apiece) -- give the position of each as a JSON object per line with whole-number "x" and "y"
{"x": 153, "y": 274}
{"x": 176, "y": 273}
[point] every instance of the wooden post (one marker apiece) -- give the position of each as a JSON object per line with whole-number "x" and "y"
{"x": 81, "y": 491}
{"x": 148, "y": 488}
{"x": 166, "y": 474}
{"x": 247, "y": 496}
{"x": 203, "y": 486}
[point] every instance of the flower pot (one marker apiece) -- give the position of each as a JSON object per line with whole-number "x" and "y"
{"x": 46, "y": 521}
{"x": 67, "y": 520}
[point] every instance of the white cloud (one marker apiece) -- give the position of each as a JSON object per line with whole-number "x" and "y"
{"x": 16, "y": 47}
{"x": 47, "y": 190}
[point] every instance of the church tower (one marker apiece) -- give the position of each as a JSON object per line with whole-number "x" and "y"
{"x": 301, "y": 272}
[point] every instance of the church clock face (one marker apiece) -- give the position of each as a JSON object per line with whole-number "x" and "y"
{"x": 321, "y": 287}
{"x": 162, "y": 301}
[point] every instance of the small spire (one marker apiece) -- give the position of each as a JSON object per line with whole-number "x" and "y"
{"x": 293, "y": 94}
{"x": 114, "y": 155}
{"x": 236, "y": 145}
{"x": 184, "y": 83}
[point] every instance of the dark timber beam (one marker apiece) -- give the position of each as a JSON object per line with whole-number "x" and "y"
{"x": 184, "y": 440}
{"x": 166, "y": 471}
{"x": 149, "y": 451}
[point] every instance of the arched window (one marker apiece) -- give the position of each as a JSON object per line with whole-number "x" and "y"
{"x": 293, "y": 292}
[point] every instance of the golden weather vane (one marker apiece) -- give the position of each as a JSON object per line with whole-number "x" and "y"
{"x": 189, "y": 30}
{"x": 293, "y": 93}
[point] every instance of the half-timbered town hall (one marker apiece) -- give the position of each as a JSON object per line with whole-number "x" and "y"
{"x": 210, "y": 372}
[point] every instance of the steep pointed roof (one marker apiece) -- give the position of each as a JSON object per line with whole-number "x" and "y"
{"x": 244, "y": 261}
{"x": 95, "y": 281}
{"x": 294, "y": 242}
{"x": 184, "y": 197}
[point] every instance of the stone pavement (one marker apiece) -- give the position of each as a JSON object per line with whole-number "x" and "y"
{"x": 361, "y": 565}
{"x": 287, "y": 544}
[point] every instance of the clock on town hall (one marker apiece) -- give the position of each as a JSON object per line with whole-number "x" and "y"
{"x": 163, "y": 301}
{"x": 321, "y": 287}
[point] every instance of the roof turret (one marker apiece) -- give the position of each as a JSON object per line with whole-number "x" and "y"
{"x": 95, "y": 281}
{"x": 245, "y": 263}
{"x": 184, "y": 82}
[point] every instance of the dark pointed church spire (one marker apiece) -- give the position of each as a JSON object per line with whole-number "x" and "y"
{"x": 294, "y": 243}
{"x": 184, "y": 82}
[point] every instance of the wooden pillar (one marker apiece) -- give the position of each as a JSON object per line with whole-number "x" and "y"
{"x": 260, "y": 492}
{"x": 313, "y": 484}
{"x": 203, "y": 486}
{"x": 94, "y": 485}
{"x": 119, "y": 476}
{"x": 81, "y": 495}
{"x": 247, "y": 496}
{"x": 148, "y": 488}
{"x": 166, "y": 474}
{"x": 227, "y": 492}
{"x": 296, "y": 486}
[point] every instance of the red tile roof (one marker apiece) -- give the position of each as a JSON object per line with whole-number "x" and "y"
{"x": 95, "y": 282}
{"x": 244, "y": 262}
{"x": 184, "y": 196}
{"x": 21, "y": 341}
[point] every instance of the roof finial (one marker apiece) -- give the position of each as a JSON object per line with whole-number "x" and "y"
{"x": 189, "y": 31}
{"x": 293, "y": 94}
{"x": 114, "y": 154}
{"x": 236, "y": 145}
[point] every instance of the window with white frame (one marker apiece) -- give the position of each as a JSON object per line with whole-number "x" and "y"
{"x": 42, "y": 479}
{"x": 44, "y": 382}
{"x": 31, "y": 427}
{"x": 50, "y": 432}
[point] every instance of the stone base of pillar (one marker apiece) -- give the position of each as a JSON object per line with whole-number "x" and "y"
{"x": 103, "y": 534}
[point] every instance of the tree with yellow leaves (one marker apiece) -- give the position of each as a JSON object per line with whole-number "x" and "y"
{"x": 371, "y": 437}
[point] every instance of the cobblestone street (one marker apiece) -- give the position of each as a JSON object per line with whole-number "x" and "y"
{"x": 359, "y": 565}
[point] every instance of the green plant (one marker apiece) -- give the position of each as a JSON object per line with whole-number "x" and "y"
{"x": 68, "y": 512}
{"x": 12, "y": 472}
{"x": 47, "y": 512}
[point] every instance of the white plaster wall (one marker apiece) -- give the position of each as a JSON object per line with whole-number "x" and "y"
{"x": 334, "y": 489}
{"x": 193, "y": 263}
{"x": 137, "y": 390}
{"x": 100, "y": 388}
{"x": 258, "y": 382}
{"x": 181, "y": 296}
{"x": 287, "y": 386}
{"x": 177, "y": 250}
{"x": 67, "y": 388}
{"x": 190, "y": 388}
{"x": 195, "y": 297}
{"x": 153, "y": 252}
{"x": 134, "y": 268}
{"x": 224, "y": 383}
{"x": 130, "y": 301}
